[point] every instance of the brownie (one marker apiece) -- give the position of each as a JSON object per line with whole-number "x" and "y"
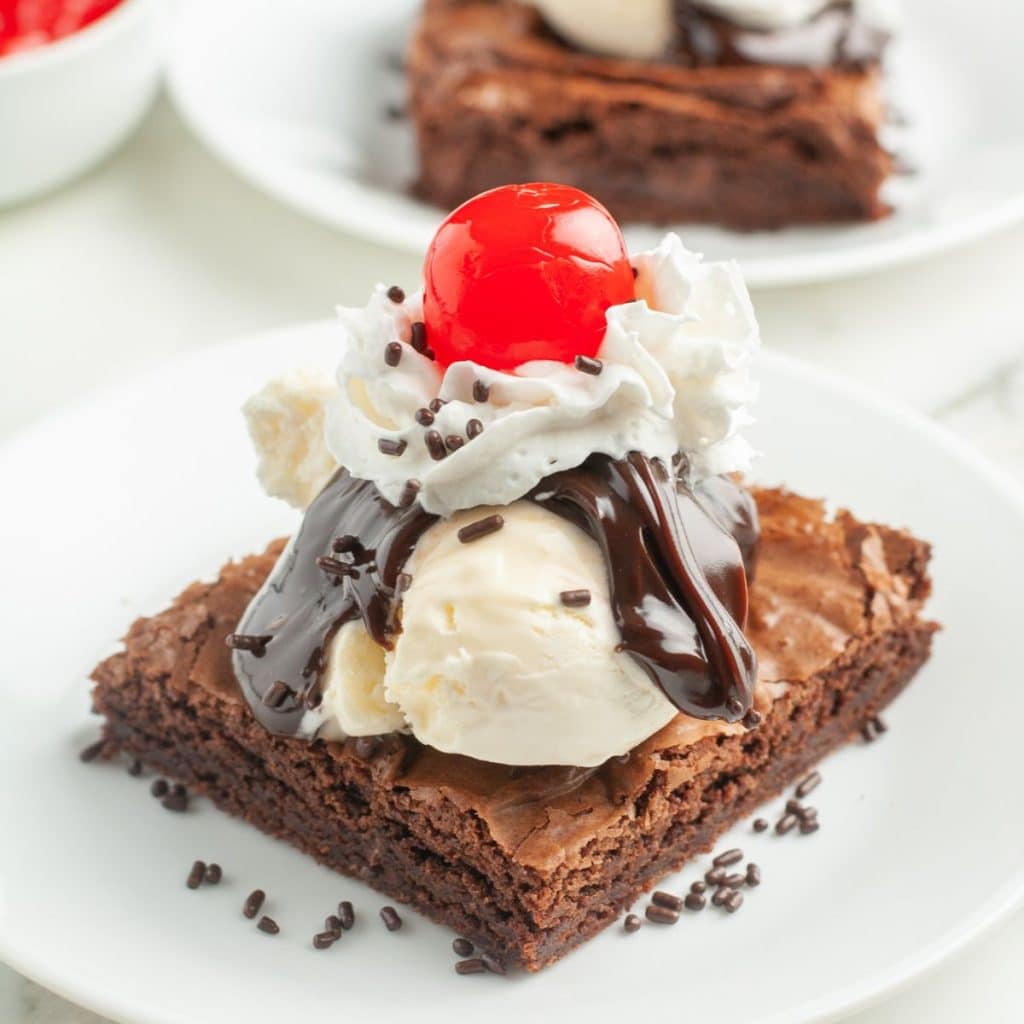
{"x": 496, "y": 98}
{"x": 530, "y": 862}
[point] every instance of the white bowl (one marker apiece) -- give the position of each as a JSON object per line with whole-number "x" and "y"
{"x": 66, "y": 105}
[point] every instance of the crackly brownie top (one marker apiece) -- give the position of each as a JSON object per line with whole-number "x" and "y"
{"x": 824, "y": 587}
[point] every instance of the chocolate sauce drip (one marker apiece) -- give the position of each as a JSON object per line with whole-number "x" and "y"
{"x": 306, "y": 601}
{"x": 837, "y": 36}
{"x": 675, "y": 560}
{"x": 678, "y": 586}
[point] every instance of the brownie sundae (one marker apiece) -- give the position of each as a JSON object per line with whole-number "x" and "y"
{"x": 534, "y": 643}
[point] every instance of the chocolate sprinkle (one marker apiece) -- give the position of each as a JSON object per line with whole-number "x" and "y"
{"x": 324, "y": 940}
{"x": 393, "y": 353}
{"x": 481, "y": 391}
{"x": 481, "y": 528}
{"x": 632, "y": 923}
{"x": 332, "y": 924}
{"x": 807, "y": 827}
{"x": 135, "y": 768}
{"x": 213, "y": 874}
{"x": 396, "y": 294}
{"x": 435, "y": 445}
{"x": 575, "y": 598}
{"x": 587, "y": 365}
{"x": 278, "y": 693}
{"x": 760, "y": 825}
{"x": 716, "y": 876}
{"x": 334, "y": 567}
{"x": 695, "y": 901}
{"x": 453, "y": 442}
{"x": 256, "y": 645}
{"x": 661, "y": 915}
{"x": 195, "y": 876}
{"x": 268, "y": 925}
{"x": 727, "y": 859}
{"x": 159, "y": 787}
{"x": 785, "y": 824}
{"x": 734, "y": 880}
{"x": 719, "y": 896}
{"x": 390, "y": 918}
{"x": 699, "y": 887}
{"x": 474, "y": 966}
{"x": 808, "y": 784}
{"x": 462, "y": 947}
{"x": 346, "y": 914}
{"x": 410, "y": 492}
{"x": 474, "y": 428}
{"x": 666, "y": 899}
{"x": 437, "y": 404}
{"x": 176, "y": 801}
{"x": 253, "y": 902}
{"x": 733, "y": 902}
{"x": 752, "y": 719}
{"x": 92, "y": 751}
{"x": 753, "y": 875}
{"x": 389, "y": 446}
{"x": 418, "y": 337}
{"x": 424, "y": 417}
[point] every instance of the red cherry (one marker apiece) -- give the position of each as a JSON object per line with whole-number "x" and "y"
{"x": 524, "y": 272}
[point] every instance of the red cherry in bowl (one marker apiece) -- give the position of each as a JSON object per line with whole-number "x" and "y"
{"x": 524, "y": 272}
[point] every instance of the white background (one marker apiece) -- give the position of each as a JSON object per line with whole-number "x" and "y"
{"x": 161, "y": 251}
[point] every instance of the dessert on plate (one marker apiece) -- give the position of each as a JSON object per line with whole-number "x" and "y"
{"x": 534, "y": 643}
{"x": 746, "y": 113}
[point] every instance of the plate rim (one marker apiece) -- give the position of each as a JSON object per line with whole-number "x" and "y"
{"x": 854, "y": 997}
{"x": 820, "y": 265}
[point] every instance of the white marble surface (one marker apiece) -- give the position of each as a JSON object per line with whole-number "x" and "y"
{"x": 161, "y": 251}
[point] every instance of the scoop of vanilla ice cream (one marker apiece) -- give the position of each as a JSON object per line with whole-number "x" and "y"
{"x": 641, "y": 29}
{"x": 286, "y": 422}
{"x": 490, "y": 663}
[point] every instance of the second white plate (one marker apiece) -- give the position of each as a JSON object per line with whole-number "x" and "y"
{"x": 295, "y": 97}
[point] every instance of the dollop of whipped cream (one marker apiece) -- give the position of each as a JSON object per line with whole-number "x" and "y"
{"x": 675, "y": 378}
{"x": 644, "y": 29}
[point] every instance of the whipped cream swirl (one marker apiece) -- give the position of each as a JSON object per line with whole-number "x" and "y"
{"x": 675, "y": 379}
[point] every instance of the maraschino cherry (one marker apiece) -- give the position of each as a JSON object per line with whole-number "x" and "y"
{"x": 524, "y": 272}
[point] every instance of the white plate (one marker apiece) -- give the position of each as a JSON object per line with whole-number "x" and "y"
{"x": 293, "y": 97}
{"x": 118, "y": 503}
